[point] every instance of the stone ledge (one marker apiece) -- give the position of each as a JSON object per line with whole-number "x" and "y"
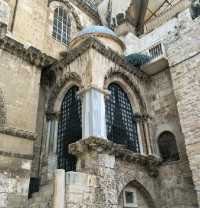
{"x": 30, "y": 55}
{"x": 92, "y": 42}
{"x": 18, "y": 133}
{"x": 120, "y": 152}
{"x": 16, "y": 155}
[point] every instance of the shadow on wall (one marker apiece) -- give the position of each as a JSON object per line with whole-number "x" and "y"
{"x": 135, "y": 195}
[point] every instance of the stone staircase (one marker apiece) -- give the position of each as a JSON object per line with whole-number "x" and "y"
{"x": 43, "y": 198}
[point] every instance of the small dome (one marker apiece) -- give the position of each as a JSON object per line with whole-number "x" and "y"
{"x": 96, "y": 29}
{"x": 102, "y": 33}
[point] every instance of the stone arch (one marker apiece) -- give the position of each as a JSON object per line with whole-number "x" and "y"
{"x": 168, "y": 147}
{"x": 2, "y": 110}
{"x": 129, "y": 86}
{"x": 59, "y": 90}
{"x": 72, "y": 10}
{"x": 143, "y": 190}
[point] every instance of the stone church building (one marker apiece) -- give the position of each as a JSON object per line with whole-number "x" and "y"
{"x": 99, "y": 103}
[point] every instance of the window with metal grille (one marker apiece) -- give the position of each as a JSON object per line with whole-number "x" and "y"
{"x": 69, "y": 129}
{"x": 120, "y": 120}
{"x": 168, "y": 147}
{"x": 61, "y": 25}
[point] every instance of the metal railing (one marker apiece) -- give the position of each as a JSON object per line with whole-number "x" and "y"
{"x": 173, "y": 11}
{"x": 155, "y": 52}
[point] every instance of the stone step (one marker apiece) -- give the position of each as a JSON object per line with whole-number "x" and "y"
{"x": 43, "y": 198}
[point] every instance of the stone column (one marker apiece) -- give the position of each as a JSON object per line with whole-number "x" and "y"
{"x": 148, "y": 137}
{"x": 93, "y": 113}
{"x": 51, "y": 144}
{"x": 59, "y": 189}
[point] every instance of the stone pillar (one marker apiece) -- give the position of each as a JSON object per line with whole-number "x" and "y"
{"x": 148, "y": 137}
{"x": 59, "y": 189}
{"x": 93, "y": 113}
{"x": 144, "y": 134}
{"x": 51, "y": 144}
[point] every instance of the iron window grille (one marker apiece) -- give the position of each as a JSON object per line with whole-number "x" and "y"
{"x": 69, "y": 129}
{"x": 61, "y": 25}
{"x": 120, "y": 119}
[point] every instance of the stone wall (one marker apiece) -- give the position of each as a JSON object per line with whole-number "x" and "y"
{"x": 185, "y": 64}
{"x": 19, "y": 82}
{"x": 102, "y": 176}
{"x": 175, "y": 178}
{"x": 37, "y": 20}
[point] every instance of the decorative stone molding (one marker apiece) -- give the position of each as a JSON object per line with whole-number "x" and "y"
{"x": 101, "y": 146}
{"x": 58, "y": 87}
{"x": 89, "y": 8}
{"x": 72, "y": 10}
{"x": 126, "y": 76}
{"x": 92, "y": 42}
{"x": 18, "y": 133}
{"x": 52, "y": 116}
{"x": 30, "y": 55}
{"x": 16, "y": 155}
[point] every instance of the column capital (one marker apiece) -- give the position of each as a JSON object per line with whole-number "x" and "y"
{"x": 52, "y": 116}
{"x": 90, "y": 87}
{"x": 142, "y": 117}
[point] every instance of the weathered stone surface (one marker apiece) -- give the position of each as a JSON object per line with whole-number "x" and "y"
{"x": 32, "y": 86}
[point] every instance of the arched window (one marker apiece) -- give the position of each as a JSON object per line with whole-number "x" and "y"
{"x": 168, "y": 147}
{"x": 61, "y": 25}
{"x": 69, "y": 129}
{"x": 120, "y": 120}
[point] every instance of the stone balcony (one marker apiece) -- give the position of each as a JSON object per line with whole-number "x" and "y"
{"x": 158, "y": 59}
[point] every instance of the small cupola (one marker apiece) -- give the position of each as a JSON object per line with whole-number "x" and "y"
{"x": 103, "y": 34}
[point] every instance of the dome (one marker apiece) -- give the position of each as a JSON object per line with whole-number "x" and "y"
{"x": 94, "y": 29}
{"x": 102, "y": 33}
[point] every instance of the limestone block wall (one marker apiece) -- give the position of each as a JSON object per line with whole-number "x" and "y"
{"x": 184, "y": 69}
{"x": 19, "y": 84}
{"x": 37, "y": 20}
{"x": 79, "y": 20}
{"x": 175, "y": 178}
{"x": 102, "y": 176}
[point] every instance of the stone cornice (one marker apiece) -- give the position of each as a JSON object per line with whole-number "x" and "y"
{"x": 18, "y": 133}
{"x": 84, "y": 6}
{"x": 92, "y": 42}
{"x": 16, "y": 155}
{"x": 30, "y": 55}
{"x": 102, "y": 146}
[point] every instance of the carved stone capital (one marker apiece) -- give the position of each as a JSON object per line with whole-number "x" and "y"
{"x": 52, "y": 116}
{"x": 18, "y": 133}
